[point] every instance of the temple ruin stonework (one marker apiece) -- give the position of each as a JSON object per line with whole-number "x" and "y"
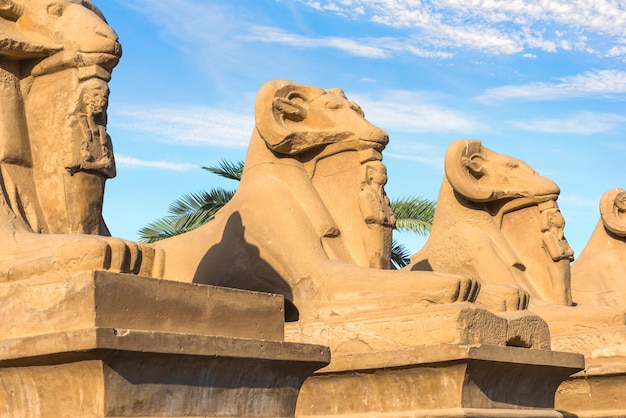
{"x": 488, "y": 320}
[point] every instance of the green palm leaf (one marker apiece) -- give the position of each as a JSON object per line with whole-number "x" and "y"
{"x": 400, "y": 255}
{"x": 414, "y": 214}
{"x": 158, "y": 230}
{"x": 186, "y": 214}
{"x": 227, "y": 169}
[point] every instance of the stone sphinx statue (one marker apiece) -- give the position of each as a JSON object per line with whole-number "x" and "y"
{"x": 599, "y": 274}
{"x": 498, "y": 220}
{"x": 310, "y": 216}
{"x": 55, "y": 155}
{"x": 473, "y": 232}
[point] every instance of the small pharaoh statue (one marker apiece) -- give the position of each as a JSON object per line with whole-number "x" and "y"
{"x": 93, "y": 150}
{"x": 553, "y": 239}
{"x": 376, "y": 211}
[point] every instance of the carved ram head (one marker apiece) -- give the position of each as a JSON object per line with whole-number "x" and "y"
{"x": 69, "y": 32}
{"x": 292, "y": 118}
{"x": 613, "y": 211}
{"x": 481, "y": 175}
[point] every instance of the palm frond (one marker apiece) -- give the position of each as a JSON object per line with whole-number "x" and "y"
{"x": 213, "y": 199}
{"x": 227, "y": 169}
{"x": 158, "y": 230}
{"x": 414, "y": 214}
{"x": 186, "y": 214}
{"x": 400, "y": 255}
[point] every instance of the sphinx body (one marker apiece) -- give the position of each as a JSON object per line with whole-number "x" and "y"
{"x": 298, "y": 224}
{"x": 599, "y": 274}
{"x": 55, "y": 154}
{"x": 497, "y": 220}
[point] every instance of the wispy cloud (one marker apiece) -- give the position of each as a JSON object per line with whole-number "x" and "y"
{"x": 500, "y": 26}
{"x": 603, "y": 83}
{"x": 188, "y": 125}
{"x": 415, "y": 151}
{"x": 279, "y": 36}
{"x": 131, "y": 162}
{"x": 409, "y": 111}
{"x": 424, "y": 29}
{"x": 617, "y": 51}
{"x": 581, "y": 123}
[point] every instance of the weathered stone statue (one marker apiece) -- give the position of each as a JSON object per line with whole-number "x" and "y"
{"x": 55, "y": 155}
{"x": 472, "y": 233}
{"x": 310, "y": 216}
{"x": 599, "y": 274}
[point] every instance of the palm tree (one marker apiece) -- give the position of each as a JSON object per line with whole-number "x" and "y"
{"x": 195, "y": 209}
{"x": 413, "y": 214}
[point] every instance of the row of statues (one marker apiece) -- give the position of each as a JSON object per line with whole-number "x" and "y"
{"x": 310, "y": 219}
{"x": 173, "y": 329}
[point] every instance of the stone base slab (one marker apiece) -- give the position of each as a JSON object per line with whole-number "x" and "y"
{"x": 88, "y": 299}
{"x": 115, "y": 372}
{"x": 594, "y": 343}
{"x": 598, "y": 391}
{"x": 439, "y": 380}
{"x": 385, "y": 331}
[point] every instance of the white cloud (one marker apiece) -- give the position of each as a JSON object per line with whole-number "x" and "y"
{"x": 408, "y": 111}
{"x": 188, "y": 125}
{"x": 581, "y": 123}
{"x": 590, "y": 83}
{"x": 131, "y": 162}
{"x": 425, "y": 29}
{"x": 617, "y": 51}
{"x": 494, "y": 26}
{"x": 415, "y": 151}
{"x": 274, "y": 35}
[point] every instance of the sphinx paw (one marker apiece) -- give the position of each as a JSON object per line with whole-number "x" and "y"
{"x": 502, "y": 298}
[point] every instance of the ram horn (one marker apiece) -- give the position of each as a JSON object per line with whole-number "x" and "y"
{"x": 278, "y": 109}
{"x": 612, "y": 203}
{"x": 463, "y": 177}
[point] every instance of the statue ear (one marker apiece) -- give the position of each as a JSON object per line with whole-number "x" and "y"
{"x": 10, "y": 9}
{"x": 474, "y": 165}
{"x": 463, "y": 165}
{"x": 290, "y": 108}
{"x": 279, "y": 108}
{"x": 611, "y": 203}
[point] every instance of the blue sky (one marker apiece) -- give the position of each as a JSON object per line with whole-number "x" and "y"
{"x": 543, "y": 81}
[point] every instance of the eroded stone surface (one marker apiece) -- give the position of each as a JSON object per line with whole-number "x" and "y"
{"x": 103, "y": 372}
{"x": 473, "y": 234}
{"x": 440, "y": 380}
{"x": 103, "y": 299}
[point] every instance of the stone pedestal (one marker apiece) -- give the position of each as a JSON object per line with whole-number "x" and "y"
{"x": 597, "y": 391}
{"x": 447, "y": 361}
{"x": 439, "y": 381}
{"x": 100, "y": 344}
